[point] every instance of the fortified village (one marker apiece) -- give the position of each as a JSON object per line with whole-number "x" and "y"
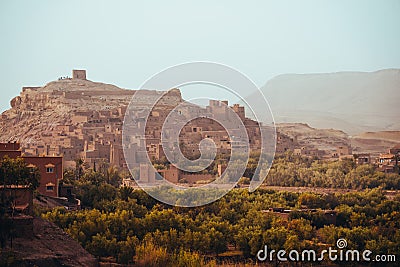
{"x": 73, "y": 118}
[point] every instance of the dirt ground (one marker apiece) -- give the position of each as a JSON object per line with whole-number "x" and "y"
{"x": 48, "y": 246}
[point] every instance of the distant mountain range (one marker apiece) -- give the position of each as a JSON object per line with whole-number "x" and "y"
{"x": 354, "y": 102}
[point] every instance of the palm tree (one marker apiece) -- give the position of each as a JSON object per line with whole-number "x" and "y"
{"x": 125, "y": 192}
{"x": 79, "y": 168}
{"x": 113, "y": 177}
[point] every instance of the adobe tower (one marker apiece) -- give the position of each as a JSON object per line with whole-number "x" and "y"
{"x": 79, "y": 74}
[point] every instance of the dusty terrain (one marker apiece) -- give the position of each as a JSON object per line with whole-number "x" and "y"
{"x": 50, "y": 246}
{"x": 375, "y": 142}
{"x": 40, "y": 110}
{"x": 324, "y": 139}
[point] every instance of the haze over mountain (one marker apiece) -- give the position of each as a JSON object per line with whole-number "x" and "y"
{"x": 354, "y": 102}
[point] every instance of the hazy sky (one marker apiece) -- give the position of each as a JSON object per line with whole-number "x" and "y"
{"x": 125, "y": 42}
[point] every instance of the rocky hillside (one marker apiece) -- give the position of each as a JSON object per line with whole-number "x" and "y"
{"x": 41, "y": 109}
{"x": 49, "y": 246}
{"x": 38, "y": 110}
{"x": 323, "y": 139}
{"x": 375, "y": 142}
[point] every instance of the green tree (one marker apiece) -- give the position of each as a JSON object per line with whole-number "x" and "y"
{"x": 13, "y": 172}
{"x": 125, "y": 192}
{"x": 16, "y": 172}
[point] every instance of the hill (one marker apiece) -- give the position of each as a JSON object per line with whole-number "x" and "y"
{"x": 375, "y": 142}
{"x": 354, "y": 102}
{"x": 38, "y": 111}
{"x": 49, "y": 246}
{"x": 323, "y": 139}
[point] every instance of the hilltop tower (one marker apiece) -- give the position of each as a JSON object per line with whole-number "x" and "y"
{"x": 79, "y": 74}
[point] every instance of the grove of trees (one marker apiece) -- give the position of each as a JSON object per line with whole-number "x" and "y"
{"x": 126, "y": 228}
{"x": 129, "y": 226}
{"x": 291, "y": 170}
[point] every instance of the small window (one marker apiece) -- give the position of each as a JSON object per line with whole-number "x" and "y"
{"x": 49, "y": 188}
{"x": 49, "y": 170}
